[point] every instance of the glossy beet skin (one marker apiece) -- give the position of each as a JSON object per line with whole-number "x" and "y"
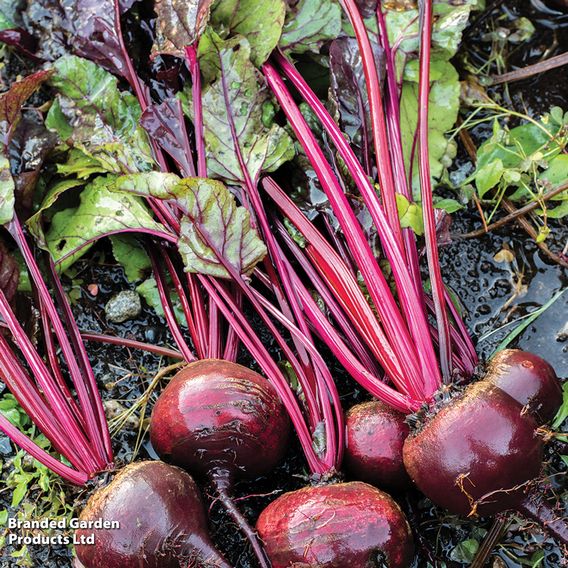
{"x": 161, "y": 517}
{"x": 375, "y": 436}
{"x": 219, "y": 416}
{"x": 529, "y": 379}
{"x": 336, "y": 526}
{"x": 473, "y": 455}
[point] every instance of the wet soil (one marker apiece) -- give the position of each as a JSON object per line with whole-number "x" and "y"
{"x": 494, "y": 295}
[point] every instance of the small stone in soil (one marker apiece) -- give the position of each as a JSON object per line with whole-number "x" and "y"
{"x": 113, "y": 408}
{"x": 5, "y": 446}
{"x": 123, "y": 306}
{"x": 562, "y": 334}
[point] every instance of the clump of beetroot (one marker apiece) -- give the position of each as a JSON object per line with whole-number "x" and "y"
{"x": 529, "y": 379}
{"x": 477, "y": 454}
{"x": 162, "y": 522}
{"x": 336, "y": 526}
{"x": 375, "y": 436}
{"x": 221, "y": 420}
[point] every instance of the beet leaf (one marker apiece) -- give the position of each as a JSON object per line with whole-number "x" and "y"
{"x": 260, "y": 21}
{"x": 349, "y": 93}
{"x": 179, "y": 23}
{"x": 9, "y": 273}
{"x": 212, "y": 225}
{"x": 101, "y": 212}
{"x": 309, "y": 24}
{"x": 96, "y": 117}
{"x": 7, "y": 189}
{"x": 165, "y": 124}
{"x": 263, "y": 145}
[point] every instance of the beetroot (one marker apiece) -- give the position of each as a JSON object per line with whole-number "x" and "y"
{"x": 336, "y": 526}
{"x": 477, "y": 453}
{"x": 221, "y": 420}
{"x": 375, "y": 436}
{"x": 529, "y": 379}
{"x": 161, "y": 520}
{"x": 216, "y": 416}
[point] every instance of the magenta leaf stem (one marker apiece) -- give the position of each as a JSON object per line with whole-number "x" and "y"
{"x": 438, "y": 290}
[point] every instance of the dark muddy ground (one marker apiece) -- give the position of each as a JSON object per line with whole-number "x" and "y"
{"x": 494, "y": 295}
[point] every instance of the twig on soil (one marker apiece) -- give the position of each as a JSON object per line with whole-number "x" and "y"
{"x": 530, "y": 230}
{"x": 471, "y": 150}
{"x": 491, "y": 539}
{"x": 467, "y": 141}
{"x": 514, "y": 214}
{"x": 117, "y": 423}
{"x": 530, "y": 70}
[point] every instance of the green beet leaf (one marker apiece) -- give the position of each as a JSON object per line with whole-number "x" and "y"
{"x": 80, "y": 165}
{"x": 237, "y": 96}
{"x": 403, "y": 26}
{"x": 130, "y": 254}
{"x": 410, "y": 214}
{"x": 156, "y": 184}
{"x": 451, "y": 18}
{"x": 7, "y": 187}
{"x": 215, "y": 232}
{"x": 260, "y": 21}
{"x": 10, "y": 14}
{"x": 35, "y": 222}
{"x": 309, "y": 24}
{"x": 149, "y": 291}
{"x": 93, "y": 115}
{"x": 442, "y": 115}
{"x": 101, "y": 212}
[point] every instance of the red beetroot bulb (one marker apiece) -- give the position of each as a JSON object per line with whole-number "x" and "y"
{"x": 529, "y": 379}
{"x": 476, "y": 455}
{"x": 336, "y": 526}
{"x": 162, "y": 522}
{"x": 375, "y": 435}
{"x": 222, "y": 420}
{"x": 216, "y": 415}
